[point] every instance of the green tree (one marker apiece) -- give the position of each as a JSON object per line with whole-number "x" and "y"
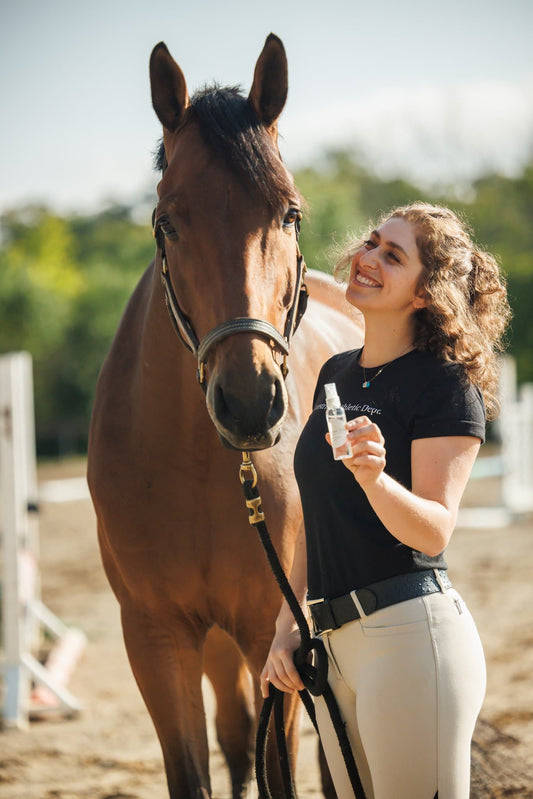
{"x": 501, "y": 213}
{"x": 64, "y": 283}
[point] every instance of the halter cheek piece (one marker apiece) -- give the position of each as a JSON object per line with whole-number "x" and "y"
{"x": 242, "y": 324}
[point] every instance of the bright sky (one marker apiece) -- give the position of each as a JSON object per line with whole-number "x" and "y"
{"x": 435, "y": 91}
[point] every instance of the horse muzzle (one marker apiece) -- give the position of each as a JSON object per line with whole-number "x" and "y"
{"x": 248, "y": 413}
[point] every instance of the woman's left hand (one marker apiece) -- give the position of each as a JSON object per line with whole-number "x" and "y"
{"x": 368, "y": 451}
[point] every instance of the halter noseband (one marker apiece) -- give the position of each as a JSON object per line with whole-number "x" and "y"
{"x": 242, "y": 324}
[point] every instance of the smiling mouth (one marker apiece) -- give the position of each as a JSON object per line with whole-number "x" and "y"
{"x": 366, "y": 281}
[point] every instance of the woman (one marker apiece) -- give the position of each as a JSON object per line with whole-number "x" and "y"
{"x": 405, "y": 660}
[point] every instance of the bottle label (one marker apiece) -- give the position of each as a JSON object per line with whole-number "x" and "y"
{"x": 337, "y": 432}
{"x": 340, "y": 445}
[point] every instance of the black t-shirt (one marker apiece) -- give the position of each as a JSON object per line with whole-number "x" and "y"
{"x": 416, "y": 396}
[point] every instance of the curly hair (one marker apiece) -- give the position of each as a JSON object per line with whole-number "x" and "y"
{"x": 466, "y": 311}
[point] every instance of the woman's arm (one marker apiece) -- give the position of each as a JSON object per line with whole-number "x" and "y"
{"x": 423, "y": 518}
{"x": 279, "y": 668}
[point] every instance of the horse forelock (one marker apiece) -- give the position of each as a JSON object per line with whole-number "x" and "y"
{"x": 230, "y": 127}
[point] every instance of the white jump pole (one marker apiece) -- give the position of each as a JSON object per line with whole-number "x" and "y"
{"x": 23, "y": 615}
{"x": 517, "y": 452}
{"x": 516, "y": 432}
{"x": 14, "y": 526}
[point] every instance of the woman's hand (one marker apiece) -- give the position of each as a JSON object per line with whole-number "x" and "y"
{"x": 279, "y": 668}
{"x": 368, "y": 451}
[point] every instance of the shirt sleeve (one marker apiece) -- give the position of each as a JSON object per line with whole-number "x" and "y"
{"x": 449, "y": 406}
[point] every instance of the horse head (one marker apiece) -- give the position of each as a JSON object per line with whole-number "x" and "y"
{"x": 226, "y": 223}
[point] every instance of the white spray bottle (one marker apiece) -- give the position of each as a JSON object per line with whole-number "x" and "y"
{"x": 336, "y": 420}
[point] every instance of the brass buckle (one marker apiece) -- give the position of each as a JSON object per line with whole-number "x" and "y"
{"x": 245, "y": 466}
{"x": 256, "y": 515}
{"x": 201, "y": 372}
{"x": 254, "y": 504}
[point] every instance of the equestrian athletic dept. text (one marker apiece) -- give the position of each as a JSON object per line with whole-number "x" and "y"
{"x": 358, "y": 407}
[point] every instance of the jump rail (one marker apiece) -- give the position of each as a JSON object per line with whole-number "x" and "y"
{"x": 29, "y": 686}
{"x": 513, "y": 465}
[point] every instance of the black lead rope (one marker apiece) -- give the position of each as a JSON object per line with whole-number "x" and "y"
{"x": 314, "y": 678}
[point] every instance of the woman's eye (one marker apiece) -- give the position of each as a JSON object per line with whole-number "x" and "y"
{"x": 369, "y": 244}
{"x": 393, "y": 257}
{"x": 292, "y": 215}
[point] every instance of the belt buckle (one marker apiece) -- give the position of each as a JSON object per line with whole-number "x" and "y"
{"x": 316, "y": 630}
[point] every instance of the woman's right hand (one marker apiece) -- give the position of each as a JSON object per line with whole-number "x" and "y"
{"x": 279, "y": 668}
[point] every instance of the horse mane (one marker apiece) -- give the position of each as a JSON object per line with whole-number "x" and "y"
{"x": 229, "y": 125}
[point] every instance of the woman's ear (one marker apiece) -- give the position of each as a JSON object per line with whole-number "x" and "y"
{"x": 419, "y": 302}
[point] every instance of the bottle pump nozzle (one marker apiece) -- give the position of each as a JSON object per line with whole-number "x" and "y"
{"x": 332, "y": 398}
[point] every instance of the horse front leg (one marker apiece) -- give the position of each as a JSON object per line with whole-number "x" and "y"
{"x": 166, "y": 659}
{"x": 228, "y": 673}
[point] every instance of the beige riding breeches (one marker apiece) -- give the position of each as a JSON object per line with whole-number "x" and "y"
{"x": 409, "y": 681}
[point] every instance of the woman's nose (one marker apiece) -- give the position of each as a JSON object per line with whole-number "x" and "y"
{"x": 369, "y": 259}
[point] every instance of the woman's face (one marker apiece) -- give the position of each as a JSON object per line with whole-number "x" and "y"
{"x": 385, "y": 271}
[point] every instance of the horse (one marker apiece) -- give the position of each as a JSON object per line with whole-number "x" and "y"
{"x": 194, "y": 588}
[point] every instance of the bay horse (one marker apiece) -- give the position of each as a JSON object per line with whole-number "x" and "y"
{"x": 194, "y": 588}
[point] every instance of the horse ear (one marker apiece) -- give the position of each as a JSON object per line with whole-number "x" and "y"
{"x": 169, "y": 89}
{"x": 271, "y": 82}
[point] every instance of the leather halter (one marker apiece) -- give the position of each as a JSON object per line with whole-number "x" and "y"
{"x": 242, "y": 324}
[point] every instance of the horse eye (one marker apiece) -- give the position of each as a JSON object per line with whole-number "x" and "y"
{"x": 167, "y": 227}
{"x": 292, "y": 215}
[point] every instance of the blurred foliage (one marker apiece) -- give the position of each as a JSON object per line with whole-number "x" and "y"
{"x": 64, "y": 283}
{"x": 65, "y": 280}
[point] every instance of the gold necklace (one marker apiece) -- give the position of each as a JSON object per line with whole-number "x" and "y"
{"x": 366, "y": 383}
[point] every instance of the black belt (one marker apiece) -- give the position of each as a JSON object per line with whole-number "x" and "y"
{"x": 330, "y": 614}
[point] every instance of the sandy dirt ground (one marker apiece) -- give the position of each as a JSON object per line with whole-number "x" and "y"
{"x": 110, "y": 750}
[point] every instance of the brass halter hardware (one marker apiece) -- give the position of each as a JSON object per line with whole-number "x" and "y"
{"x": 254, "y": 505}
{"x": 247, "y": 466}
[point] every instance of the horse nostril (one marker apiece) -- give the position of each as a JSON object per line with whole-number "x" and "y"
{"x": 220, "y": 407}
{"x": 277, "y": 407}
